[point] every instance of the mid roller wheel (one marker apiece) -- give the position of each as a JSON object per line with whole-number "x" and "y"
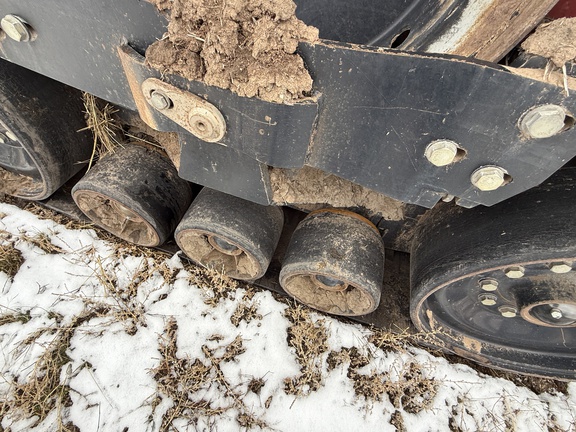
{"x": 135, "y": 194}
{"x": 335, "y": 263}
{"x": 498, "y": 285}
{"x": 229, "y": 234}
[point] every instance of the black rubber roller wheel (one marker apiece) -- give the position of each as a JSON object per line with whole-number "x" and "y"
{"x": 498, "y": 285}
{"x": 229, "y": 234}
{"x": 135, "y": 194}
{"x": 40, "y": 143}
{"x": 335, "y": 263}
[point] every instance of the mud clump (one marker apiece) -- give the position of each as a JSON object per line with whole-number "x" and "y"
{"x": 247, "y": 46}
{"x": 555, "y": 40}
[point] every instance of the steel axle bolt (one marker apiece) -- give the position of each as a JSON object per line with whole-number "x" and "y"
{"x": 515, "y": 272}
{"x": 508, "y": 311}
{"x": 543, "y": 121}
{"x": 488, "y": 178}
{"x": 556, "y": 313}
{"x": 560, "y": 267}
{"x": 441, "y": 152}
{"x": 489, "y": 284}
{"x": 16, "y": 28}
{"x": 159, "y": 100}
{"x": 488, "y": 299}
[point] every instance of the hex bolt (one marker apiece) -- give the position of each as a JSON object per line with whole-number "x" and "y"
{"x": 441, "y": 152}
{"x": 16, "y": 28}
{"x": 543, "y": 121}
{"x": 488, "y": 299}
{"x": 489, "y": 284}
{"x": 508, "y": 311}
{"x": 488, "y": 178}
{"x": 560, "y": 267}
{"x": 159, "y": 100}
{"x": 514, "y": 272}
{"x": 556, "y": 313}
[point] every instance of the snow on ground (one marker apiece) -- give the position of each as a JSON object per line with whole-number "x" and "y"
{"x": 97, "y": 336}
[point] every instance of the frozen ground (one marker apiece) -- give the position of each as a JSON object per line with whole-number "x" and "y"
{"x": 100, "y": 336}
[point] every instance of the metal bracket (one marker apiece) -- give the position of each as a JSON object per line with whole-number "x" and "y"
{"x": 196, "y": 115}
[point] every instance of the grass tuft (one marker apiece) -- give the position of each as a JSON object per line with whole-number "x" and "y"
{"x": 106, "y": 130}
{"x": 10, "y": 259}
{"x": 310, "y": 341}
{"x": 186, "y": 381}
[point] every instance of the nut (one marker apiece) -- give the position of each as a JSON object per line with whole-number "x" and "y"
{"x": 488, "y": 178}
{"x": 16, "y": 28}
{"x": 508, "y": 311}
{"x": 560, "y": 267}
{"x": 489, "y": 284}
{"x": 441, "y": 152}
{"x": 488, "y": 299}
{"x": 556, "y": 313}
{"x": 543, "y": 121}
{"x": 514, "y": 272}
{"x": 159, "y": 100}
{"x": 207, "y": 123}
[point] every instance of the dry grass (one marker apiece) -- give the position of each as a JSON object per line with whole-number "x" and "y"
{"x": 185, "y": 380}
{"x": 310, "y": 341}
{"x": 43, "y": 390}
{"x": 15, "y": 316}
{"x": 105, "y": 129}
{"x": 43, "y": 242}
{"x": 247, "y": 309}
{"x": 10, "y": 259}
{"x": 215, "y": 285}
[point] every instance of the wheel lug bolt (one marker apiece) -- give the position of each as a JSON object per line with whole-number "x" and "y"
{"x": 560, "y": 267}
{"x": 508, "y": 311}
{"x": 488, "y": 299}
{"x": 514, "y": 272}
{"x": 489, "y": 284}
{"x": 556, "y": 313}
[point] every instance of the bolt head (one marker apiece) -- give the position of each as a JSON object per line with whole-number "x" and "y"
{"x": 159, "y": 100}
{"x": 16, "y": 28}
{"x": 556, "y": 313}
{"x": 441, "y": 152}
{"x": 488, "y": 299}
{"x": 488, "y": 178}
{"x": 489, "y": 284}
{"x": 543, "y": 121}
{"x": 515, "y": 272}
{"x": 560, "y": 267}
{"x": 508, "y": 311}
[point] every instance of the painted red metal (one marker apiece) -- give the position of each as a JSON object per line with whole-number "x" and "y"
{"x": 564, "y": 8}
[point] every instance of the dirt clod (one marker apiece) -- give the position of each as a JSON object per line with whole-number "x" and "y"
{"x": 247, "y": 46}
{"x": 555, "y": 40}
{"x": 313, "y": 189}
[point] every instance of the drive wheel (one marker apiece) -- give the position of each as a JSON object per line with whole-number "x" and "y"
{"x": 40, "y": 146}
{"x": 335, "y": 263}
{"x": 229, "y": 234}
{"x": 135, "y": 194}
{"x": 498, "y": 285}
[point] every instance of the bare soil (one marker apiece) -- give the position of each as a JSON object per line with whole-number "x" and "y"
{"x": 247, "y": 46}
{"x": 555, "y": 40}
